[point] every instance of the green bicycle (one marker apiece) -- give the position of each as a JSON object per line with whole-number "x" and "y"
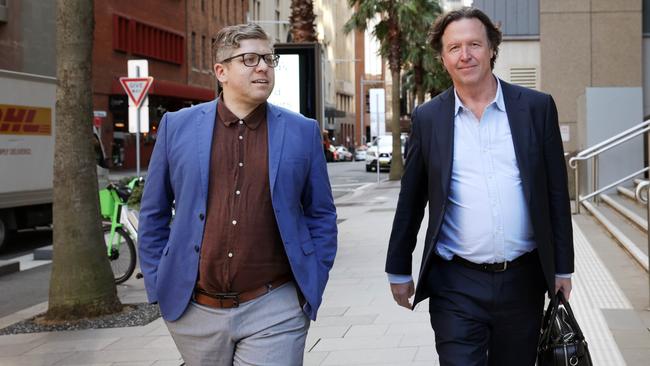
{"x": 117, "y": 226}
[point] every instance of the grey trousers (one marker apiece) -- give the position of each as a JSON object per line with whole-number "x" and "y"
{"x": 269, "y": 330}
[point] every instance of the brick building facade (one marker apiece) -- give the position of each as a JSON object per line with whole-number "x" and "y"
{"x": 175, "y": 36}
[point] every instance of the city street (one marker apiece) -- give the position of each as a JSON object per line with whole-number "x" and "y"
{"x": 359, "y": 323}
{"x": 30, "y": 286}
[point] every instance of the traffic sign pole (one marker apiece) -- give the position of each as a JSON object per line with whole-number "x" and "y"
{"x": 137, "y": 88}
{"x": 137, "y": 134}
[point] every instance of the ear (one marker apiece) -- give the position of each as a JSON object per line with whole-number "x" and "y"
{"x": 221, "y": 72}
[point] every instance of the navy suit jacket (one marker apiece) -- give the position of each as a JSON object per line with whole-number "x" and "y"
{"x": 538, "y": 147}
{"x": 179, "y": 170}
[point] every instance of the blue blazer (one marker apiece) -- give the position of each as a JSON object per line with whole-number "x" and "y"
{"x": 427, "y": 176}
{"x": 179, "y": 171}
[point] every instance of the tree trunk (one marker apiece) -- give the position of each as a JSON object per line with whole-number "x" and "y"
{"x": 396, "y": 165}
{"x": 418, "y": 76}
{"x": 81, "y": 284}
{"x": 302, "y": 20}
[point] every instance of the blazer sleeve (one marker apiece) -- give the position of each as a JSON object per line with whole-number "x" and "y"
{"x": 318, "y": 204}
{"x": 155, "y": 212}
{"x": 558, "y": 191}
{"x": 410, "y": 205}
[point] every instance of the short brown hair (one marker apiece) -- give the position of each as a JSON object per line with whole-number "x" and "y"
{"x": 228, "y": 38}
{"x": 438, "y": 29}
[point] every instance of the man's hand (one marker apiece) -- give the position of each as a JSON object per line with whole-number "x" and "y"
{"x": 402, "y": 292}
{"x": 563, "y": 284}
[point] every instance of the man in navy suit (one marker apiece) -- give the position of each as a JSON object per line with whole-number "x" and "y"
{"x": 241, "y": 268}
{"x": 486, "y": 156}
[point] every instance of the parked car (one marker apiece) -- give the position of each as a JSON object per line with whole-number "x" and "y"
{"x": 381, "y": 148}
{"x": 360, "y": 153}
{"x": 343, "y": 154}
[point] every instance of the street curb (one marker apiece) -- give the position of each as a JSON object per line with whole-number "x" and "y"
{"x": 43, "y": 254}
{"x": 9, "y": 267}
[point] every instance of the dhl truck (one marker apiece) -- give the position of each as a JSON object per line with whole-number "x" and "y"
{"x": 27, "y": 121}
{"x": 26, "y": 151}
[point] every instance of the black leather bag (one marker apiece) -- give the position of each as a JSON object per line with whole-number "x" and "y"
{"x": 561, "y": 342}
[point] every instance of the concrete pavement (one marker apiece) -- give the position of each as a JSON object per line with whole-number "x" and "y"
{"x": 359, "y": 324}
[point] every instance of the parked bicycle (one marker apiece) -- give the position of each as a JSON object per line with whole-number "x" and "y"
{"x": 119, "y": 228}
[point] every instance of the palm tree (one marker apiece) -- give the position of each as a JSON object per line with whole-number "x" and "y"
{"x": 302, "y": 20}
{"x": 388, "y": 32}
{"x": 421, "y": 61}
{"x": 81, "y": 284}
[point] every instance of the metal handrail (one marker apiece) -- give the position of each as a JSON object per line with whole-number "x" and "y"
{"x": 610, "y": 142}
{"x": 612, "y": 185}
{"x": 593, "y": 153}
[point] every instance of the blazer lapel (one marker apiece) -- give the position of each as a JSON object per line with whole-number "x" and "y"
{"x": 520, "y": 129}
{"x": 444, "y": 137}
{"x": 204, "y": 130}
{"x": 276, "y": 125}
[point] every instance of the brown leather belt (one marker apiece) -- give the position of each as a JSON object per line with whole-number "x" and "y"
{"x": 496, "y": 267}
{"x": 227, "y": 300}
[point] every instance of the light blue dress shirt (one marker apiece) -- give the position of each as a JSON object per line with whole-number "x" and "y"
{"x": 486, "y": 219}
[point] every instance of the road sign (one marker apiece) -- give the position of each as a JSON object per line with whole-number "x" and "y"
{"x": 136, "y": 88}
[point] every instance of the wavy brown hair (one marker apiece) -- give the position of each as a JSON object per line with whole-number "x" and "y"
{"x": 438, "y": 29}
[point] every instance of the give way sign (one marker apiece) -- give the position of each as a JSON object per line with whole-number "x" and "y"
{"x": 136, "y": 88}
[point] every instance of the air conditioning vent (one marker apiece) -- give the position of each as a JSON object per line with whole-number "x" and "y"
{"x": 524, "y": 76}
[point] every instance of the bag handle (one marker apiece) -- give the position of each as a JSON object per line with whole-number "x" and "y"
{"x": 572, "y": 318}
{"x": 549, "y": 317}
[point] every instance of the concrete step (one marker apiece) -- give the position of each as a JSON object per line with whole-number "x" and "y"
{"x": 631, "y": 238}
{"x": 628, "y": 210}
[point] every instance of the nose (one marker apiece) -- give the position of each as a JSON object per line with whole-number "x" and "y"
{"x": 465, "y": 53}
{"x": 261, "y": 66}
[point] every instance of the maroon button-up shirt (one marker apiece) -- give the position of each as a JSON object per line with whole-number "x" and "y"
{"x": 242, "y": 248}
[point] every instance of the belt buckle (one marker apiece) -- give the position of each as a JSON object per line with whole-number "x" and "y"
{"x": 505, "y": 266}
{"x": 234, "y": 296}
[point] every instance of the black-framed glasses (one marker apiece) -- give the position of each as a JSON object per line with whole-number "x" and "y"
{"x": 253, "y": 59}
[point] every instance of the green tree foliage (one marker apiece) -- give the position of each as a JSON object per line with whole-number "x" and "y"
{"x": 423, "y": 69}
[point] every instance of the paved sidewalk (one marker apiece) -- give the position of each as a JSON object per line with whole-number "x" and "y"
{"x": 359, "y": 324}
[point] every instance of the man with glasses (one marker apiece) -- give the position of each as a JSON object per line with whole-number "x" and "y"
{"x": 242, "y": 267}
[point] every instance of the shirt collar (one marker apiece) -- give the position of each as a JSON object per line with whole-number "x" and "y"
{"x": 497, "y": 101}
{"x": 252, "y": 120}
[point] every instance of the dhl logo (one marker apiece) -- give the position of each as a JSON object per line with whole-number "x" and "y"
{"x": 25, "y": 120}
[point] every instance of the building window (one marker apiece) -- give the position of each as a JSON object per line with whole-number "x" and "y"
{"x": 204, "y": 54}
{"x": 193, "y": 51}
{"x": 203, "y": 6}
{"x": 138, "y": 38}
{"x": 212, "y": 53}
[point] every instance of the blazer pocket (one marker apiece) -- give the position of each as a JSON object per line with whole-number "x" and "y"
{"x": 307, "y": 247}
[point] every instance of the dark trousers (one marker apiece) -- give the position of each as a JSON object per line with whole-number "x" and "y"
{"x": 482, "y": 318}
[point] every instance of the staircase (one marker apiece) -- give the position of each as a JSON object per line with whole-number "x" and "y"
{"x": 620, "y": 207}
{"x": 625, "y": 219}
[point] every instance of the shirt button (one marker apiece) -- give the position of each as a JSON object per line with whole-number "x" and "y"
{"x": 234, "y": 222}
{"x": 241, "y": 137}
{"x": 230, "y": 255}
{"x": 237, "y": 193}
{"x": 241, "y": 122}
{"x": 201, "y": 216}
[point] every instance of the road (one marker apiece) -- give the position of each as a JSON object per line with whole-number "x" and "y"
{"x": 30, "y": 287}
{"x": 345, "y": 177}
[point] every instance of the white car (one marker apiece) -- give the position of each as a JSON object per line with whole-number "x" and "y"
{"x": 382, "y": 148}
